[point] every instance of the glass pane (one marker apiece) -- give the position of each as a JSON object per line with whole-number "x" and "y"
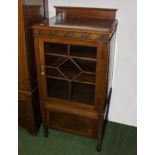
{"x": 69, "y": 69}
{"x": 57, "y": 88}
{"x": 90, "y": 78}
{"x": 71, "y": 77}
{"x": 56, "y": 48}
{"x": 53, "y": 72}
{"x": 84, "y": 93}
{"x": 83, "y": 51}
{"x": 53, "y": 61}
{"x": 86, "y": 65}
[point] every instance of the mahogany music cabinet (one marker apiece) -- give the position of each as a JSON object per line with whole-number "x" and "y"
{"x": 74, "y": 54}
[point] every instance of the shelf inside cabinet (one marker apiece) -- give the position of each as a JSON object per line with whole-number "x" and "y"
{"x": 83, "y": 51}
{"x": 84, "y": 93}
{"x": 86, "y": 78}
{"x": 52, "y": 72}
{"x": 86, "y": 65}
{"x": 57, "y": 88}
{"x": 56, "y": 48}
{"x": 54, "y": 61}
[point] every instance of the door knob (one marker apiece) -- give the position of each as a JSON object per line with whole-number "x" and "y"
{"x": 42, "y": 70}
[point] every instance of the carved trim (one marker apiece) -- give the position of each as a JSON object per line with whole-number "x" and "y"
{"x": 70, "y": 34}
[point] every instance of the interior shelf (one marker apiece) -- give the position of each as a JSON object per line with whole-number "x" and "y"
{"x": 86, "y": 65}
{"x": 83, "y": 51}
{"x": 52, "y": 72}
{"x": 57, "y": 88}
{"x": 56, "y": 48}
{"x": 84, "y": 93}
{"x": 54, "y": 61}
{"x": 86, "y": 78}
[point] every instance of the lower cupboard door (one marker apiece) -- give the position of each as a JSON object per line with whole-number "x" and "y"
{"x": 73, "y": 124}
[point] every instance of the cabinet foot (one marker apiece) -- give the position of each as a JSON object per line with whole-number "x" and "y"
{"x": 98, "y": 147}
{"x": 100, "y": 134}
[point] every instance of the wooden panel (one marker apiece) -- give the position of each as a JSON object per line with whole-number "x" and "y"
{"x": 80, "y": 12}
{"x": 33, "y": 112}
{"x": 29, "y": 115}
{"x": 36, "y": 108}
{"x": 22, "y": 56}
{"x": 102, "y": 77}
{"x": 29, "y": 12}
{"x": 73, "y": 124}
{"x": 33, "y": 14}
{"x": 22, "y": 117}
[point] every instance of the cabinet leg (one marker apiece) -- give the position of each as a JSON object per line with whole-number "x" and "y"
{"x": 103, "y": 122}
{"x": 98, "y": 147}
{"x": 100, "y": 135}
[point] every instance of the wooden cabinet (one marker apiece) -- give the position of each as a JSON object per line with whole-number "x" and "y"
{"x": 74, "y": 55}
{"x": 29, "y": 12}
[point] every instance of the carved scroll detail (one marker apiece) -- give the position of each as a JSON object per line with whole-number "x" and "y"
{"x": 72, "y": 34}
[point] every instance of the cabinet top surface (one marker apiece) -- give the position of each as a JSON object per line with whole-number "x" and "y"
{"x": 90, "y": 19}
{"x": 75, "y": 23}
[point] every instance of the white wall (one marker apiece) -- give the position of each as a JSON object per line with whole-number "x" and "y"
{"x": 124, "y": 99}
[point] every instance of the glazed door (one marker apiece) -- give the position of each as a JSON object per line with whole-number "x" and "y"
{"x": 68, "y": 70}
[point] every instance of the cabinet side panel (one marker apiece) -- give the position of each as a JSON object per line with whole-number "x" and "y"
{"x": 111, "y": 61}
{"x": 33, "y": 13}
{"x": 22, "y": 117}
{"x": 23, "y": 77}
{"x": 29, "y": 12}
{"x": 36, "y": 108}
{"x": 33, "y": 112}
{"x": 102, "y": 76}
